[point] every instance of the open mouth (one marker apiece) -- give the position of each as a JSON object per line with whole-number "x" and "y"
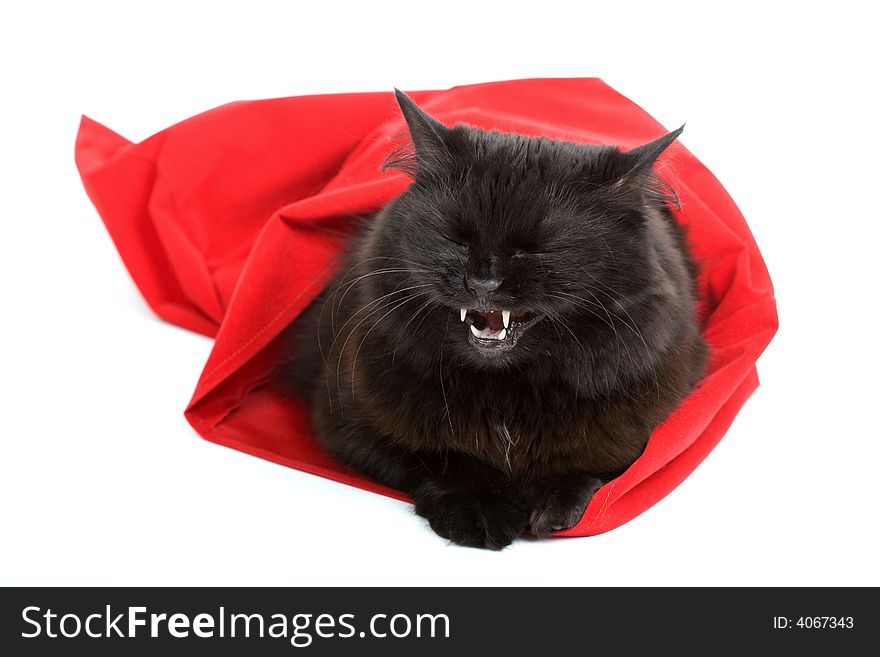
{"x": 496, "y": 329}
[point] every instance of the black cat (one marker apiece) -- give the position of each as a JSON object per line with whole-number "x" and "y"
{"x": 506, "y": 334}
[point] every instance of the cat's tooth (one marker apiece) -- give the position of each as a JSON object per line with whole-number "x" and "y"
{"x": 463, "y": 313}
{"x": 502, "y": 334}
{"x": 475, "y": 331}
{"x": 505, "y": 315}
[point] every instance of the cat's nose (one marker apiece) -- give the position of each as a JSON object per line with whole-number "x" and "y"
{"x": 481, "y": 288}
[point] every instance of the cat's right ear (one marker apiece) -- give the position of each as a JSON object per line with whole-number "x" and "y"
{"x": 429, "y": 136}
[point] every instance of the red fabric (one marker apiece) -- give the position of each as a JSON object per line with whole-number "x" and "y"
{"x": 229, "y": 223}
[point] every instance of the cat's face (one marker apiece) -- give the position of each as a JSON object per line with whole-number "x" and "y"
{"x": 511, "y": 243}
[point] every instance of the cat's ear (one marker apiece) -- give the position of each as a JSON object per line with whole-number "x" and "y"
{"x": 429, "y": 136}
{"x": 638, "y": 161}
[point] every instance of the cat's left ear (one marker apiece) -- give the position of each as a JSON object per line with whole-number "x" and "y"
{"x": 429, "y": 136}
{"x": 639, "y": 160}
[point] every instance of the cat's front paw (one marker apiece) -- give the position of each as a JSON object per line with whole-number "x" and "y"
{"x": 489, "y": 519}
{"x": 561, "y": 505}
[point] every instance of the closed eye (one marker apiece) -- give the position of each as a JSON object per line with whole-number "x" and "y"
{"x": 455, "y": 241}
{"x": 523, "y": 253}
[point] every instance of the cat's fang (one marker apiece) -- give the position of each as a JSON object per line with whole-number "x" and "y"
{"x": 475, "y": 331}
{"x": 503, "y": 333}
{"x": 505, "y": 316}
{"x": 464, "y": 314}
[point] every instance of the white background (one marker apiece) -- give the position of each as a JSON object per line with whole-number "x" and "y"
{"x": 103, "y": 482}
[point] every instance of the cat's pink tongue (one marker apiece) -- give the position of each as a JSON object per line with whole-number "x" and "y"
{"x": 494, "y": 321}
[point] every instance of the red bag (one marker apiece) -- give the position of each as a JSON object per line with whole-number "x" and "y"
{"x": 230, "y": 221}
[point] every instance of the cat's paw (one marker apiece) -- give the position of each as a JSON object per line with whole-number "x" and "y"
{"x": 489, "y": 519}
{"x": 562, "y": 506}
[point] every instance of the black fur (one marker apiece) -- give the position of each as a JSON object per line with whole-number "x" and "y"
{"x": 490, "y": 441}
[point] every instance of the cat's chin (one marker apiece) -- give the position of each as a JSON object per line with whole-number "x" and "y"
{"x": 493, "y": 333}
{"x": 491, "y": 348}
